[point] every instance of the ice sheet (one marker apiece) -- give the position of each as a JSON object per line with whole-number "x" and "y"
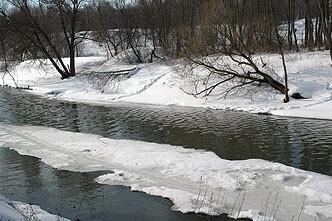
{"x": 195, "y": 180}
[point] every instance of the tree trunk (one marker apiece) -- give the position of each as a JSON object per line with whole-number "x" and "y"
{"x": 72, "y": 63}
{"x": 273, "y": 83}
{"x": 282, "y": 88}
{"x": 309, "y": 32}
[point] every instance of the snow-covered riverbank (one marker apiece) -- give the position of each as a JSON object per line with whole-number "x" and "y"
{"x": 195, "y": 180}
{"x": 310, "y": 73}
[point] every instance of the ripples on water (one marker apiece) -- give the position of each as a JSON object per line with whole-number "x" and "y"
{"x": 302, "y": 143}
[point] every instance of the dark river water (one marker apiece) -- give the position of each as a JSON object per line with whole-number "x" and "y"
{"x": 301, "y": 143}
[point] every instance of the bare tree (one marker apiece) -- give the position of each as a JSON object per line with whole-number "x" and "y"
{"x": 69, "y": 11}
{"x": 105, "y": 26}
{"x": 130, "y": 27}
{"x": 231, "y": 39}
{"x": 326, "y": 22}
{"x": 309, "y": 28}
{"x": 281, "y": 51}
{"x": 291, "y": 31}
{"x": 31, "y": 21}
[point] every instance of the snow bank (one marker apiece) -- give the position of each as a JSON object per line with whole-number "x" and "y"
{"x": 17, "y": 211}
{"x": 8, "y": 212}
{"x": 195, "y": 180}
{"x": 161, "y": 84}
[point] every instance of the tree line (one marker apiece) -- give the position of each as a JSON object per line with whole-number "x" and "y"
{"x": 183, "y": 27}
{"x": 178, "y": 26}
{"x": 53, "y": 29}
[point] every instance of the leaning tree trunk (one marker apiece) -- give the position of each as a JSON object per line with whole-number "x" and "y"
{"x": 273, "y": 83}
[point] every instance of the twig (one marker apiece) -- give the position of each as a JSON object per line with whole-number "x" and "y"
{"x": 199, "y": 191}
{"x": 301, "y": 210}
{"x": 204, "y": 197}
{"x": 274, "y": 204}
{"x": 238, "y": 196}
{"x": 244, "y": 196}
{"x": 79, "y": 208}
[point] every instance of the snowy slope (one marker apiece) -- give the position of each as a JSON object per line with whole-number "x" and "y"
{"x": 310, "y": 74}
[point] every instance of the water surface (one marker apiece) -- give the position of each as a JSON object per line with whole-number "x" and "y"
{"x": 301, "y": 143}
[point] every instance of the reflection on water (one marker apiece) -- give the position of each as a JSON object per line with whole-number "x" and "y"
{"x": 76, "y": 196}
{"x": 302, "y": 143}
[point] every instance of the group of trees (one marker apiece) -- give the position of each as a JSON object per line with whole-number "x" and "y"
{"x": 52, "y": 29}
{"x": 203, "y": 26}
{"x": 41, "y": 29}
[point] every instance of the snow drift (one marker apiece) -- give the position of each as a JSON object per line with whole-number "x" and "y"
{"x": 195, "y": 180}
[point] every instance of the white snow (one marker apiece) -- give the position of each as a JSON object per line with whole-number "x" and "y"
{"x": 17, "y": 211}
{"x": 169, "y": 84}
{"x": 195, "y": 180}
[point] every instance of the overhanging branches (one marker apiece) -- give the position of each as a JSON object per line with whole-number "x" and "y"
{"x": 240, "y": 69}
{"x": 102, "y": 78}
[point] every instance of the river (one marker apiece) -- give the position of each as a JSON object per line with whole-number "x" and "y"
{"x": 301, "y": 143}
